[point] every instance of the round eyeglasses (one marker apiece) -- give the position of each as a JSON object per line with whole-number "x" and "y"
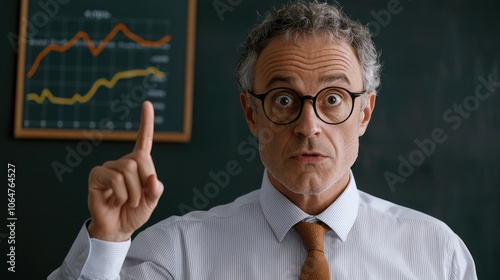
{"x": 332, "y": 105}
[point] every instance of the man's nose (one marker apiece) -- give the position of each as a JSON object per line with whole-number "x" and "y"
{"x": 308, "y": 124}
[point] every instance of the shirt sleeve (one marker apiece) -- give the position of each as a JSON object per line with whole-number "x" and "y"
{"x": 92, "y": 259}
{"x": 462, "y": 263}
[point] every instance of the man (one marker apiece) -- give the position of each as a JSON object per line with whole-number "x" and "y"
{"x": 308, "y": 80}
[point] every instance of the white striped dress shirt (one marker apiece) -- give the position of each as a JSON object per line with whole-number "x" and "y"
{"x": 253, "y": 238}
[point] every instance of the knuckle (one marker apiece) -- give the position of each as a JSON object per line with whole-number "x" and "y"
{"x": 116, "y": 180}
{"x": 95, "y": 171}
{"x": 129, "y": 164}
{"x": 108, "y": 164}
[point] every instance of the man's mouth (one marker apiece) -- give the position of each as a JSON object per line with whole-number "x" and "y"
{"x": 308, "y": 157}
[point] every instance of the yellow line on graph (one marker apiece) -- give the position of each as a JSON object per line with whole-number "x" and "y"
{"x": 47, "y": 94}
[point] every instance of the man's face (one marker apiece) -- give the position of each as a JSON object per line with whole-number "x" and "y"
{"x": 308, "y": 156}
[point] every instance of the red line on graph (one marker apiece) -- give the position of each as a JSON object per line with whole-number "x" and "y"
{"x": 93, "y": 49}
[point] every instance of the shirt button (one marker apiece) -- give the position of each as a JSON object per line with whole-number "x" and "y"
{"x": 81, "y": 257}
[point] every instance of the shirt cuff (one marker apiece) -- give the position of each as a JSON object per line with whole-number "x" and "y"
{"x": 106, "y": 258}
{"x": 96, "y": 258}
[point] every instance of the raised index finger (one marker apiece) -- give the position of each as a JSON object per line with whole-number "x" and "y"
{"x": 144, "y": 140}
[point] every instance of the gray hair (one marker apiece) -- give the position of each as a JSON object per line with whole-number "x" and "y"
{"x": 301, "y": 18}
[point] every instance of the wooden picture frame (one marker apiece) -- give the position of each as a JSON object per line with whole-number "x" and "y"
{"x": 107, "y": 71}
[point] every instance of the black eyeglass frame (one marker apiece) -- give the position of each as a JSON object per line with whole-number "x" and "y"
{"x": 302, "y": 98}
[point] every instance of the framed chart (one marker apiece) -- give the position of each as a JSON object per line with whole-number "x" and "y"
{"x": 85, "y": 67}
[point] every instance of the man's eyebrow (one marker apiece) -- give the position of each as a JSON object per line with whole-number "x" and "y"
{"x": 334, "y": 78}
{"x": 277, "y": 79}
{"x": 324, "y": 79}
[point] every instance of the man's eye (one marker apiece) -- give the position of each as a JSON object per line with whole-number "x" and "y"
{"x": 283, "y": 100}
{"x": 333, "y": 99}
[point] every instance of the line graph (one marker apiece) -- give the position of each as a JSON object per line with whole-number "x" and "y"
{"x": 94, "y": 62}
{"x": 77, "y": 98}
{"x": 81, "y": 74}
{"x": 120, "y": 27}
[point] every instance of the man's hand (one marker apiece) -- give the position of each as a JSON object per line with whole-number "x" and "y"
{"x": 124, "y": 193}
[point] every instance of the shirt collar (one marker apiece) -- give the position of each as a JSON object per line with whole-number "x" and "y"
{"x": 282, "y": 214}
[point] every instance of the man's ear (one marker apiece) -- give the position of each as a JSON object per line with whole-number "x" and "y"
{"x": 250, "y": 115}
{"x": 366, "y": 114}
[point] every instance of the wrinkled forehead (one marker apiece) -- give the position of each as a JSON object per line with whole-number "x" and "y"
{"x": 299, "y": 59}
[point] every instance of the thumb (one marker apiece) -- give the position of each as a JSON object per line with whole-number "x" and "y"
{"x": 153, "y": 191}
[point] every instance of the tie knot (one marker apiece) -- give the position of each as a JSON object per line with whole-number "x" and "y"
{"x": 312, "y": 234}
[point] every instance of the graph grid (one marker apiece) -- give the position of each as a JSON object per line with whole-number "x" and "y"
{"x": 93, "y": 70}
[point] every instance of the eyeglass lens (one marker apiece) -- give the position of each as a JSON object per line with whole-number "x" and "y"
{"x": 332, "y": 105}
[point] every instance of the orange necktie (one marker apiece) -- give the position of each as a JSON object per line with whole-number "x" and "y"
{"x": 315, "y": 266}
